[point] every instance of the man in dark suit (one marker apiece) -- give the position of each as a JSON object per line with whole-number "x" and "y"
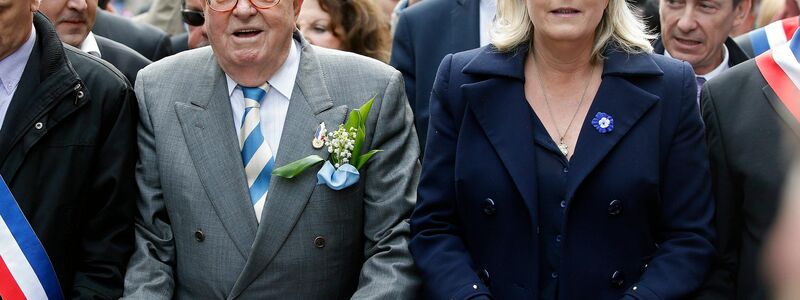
{"x": 74, "y": 19}
{"x": 748, "y": 129}
{"x": 417, "y": 50}
{"x": 146, "y": 39}
{"x": 696, "y": 31}
{"x": 67, "y": 152}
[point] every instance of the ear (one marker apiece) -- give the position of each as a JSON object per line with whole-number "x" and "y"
{"x": 297, "y": 5}
{"x": 741, "y": 11}
{"x": 35, "y": 5}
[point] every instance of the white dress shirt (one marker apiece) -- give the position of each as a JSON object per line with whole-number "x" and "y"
{"x": 488, "y": 9}
{"x": 89, "y": 45}
{"x": 718, "y": 70}
{"x": 275, "y": 104}
{"x": 11, "y": 69}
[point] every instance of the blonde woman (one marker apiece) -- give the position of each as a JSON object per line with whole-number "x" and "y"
{"x": 564, "y": 161}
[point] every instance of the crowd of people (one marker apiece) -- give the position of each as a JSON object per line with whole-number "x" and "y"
{"x": 412, "y": 149}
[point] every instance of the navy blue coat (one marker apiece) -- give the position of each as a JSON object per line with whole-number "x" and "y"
{"x": 639, "y": 205}
{"x": 424, "y": 34}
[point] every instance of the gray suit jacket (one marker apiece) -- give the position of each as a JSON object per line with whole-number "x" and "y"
{"x": 197, "y": 235}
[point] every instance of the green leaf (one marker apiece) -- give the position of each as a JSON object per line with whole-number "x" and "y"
{"x": 364, "y": 158}
{"x": 358, "y": 120}
{"x": 291, "y": 169}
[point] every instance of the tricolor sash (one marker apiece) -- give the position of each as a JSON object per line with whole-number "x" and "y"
{"x": 774, "y": 34}
{"x": 25, "y": 269}
{"x": 781, "y": 69}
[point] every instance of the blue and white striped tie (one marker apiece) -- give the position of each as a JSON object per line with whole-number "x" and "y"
{"x": 256, "y": 154}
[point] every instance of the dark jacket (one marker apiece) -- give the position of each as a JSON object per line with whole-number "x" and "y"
{"x": 417, "y": 50}
{"x": 735, "y": 54}
{"x": 638, "y": 207}
{"x": 146, "y": 39}
{"x": 128, "y": 61}
{"x": 67, "y": 152}
{"x": 748, "y": 131}
{"x": 180, "y": 42}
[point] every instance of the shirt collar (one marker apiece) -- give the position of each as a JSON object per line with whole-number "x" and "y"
{"x": 283, "y": 80}
{"x": 12, "y": 66}
{"x": 89, "y": 45}
{"x": 716, "y": 71}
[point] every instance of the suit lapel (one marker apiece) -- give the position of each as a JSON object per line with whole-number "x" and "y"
{"x": 310, "y": 105}
{"x": 207, "y": 123}
{"x": 625, "y": 102}
{"x": 465, "y": 21}
{"x": 781, "y": 109}
{"x": 498, "y": 104}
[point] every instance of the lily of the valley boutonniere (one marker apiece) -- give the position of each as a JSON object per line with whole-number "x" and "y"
{"x": 346, "y": 157}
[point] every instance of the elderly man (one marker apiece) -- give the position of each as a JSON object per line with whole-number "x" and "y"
{"x": 74, "y": 20}
{"x": 214, "y": 223}
{"x": 752, "y": 118}
{"x": 697, "y": 31}
{"x": 67, "y": 153}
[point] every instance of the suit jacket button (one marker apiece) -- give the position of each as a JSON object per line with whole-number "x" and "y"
{"x": 199, "y": 236}
{"x": 319, "y": 242}
{"x": 484, "y": 276}
{"x": 488, "y": 207}
{"x": 617, "y": 279}
{"x": 615, "y": 207}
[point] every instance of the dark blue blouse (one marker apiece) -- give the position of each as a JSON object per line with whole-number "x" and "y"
{"x": 552, "y": 169}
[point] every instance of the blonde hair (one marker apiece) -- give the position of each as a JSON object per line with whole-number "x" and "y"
{"x": 619, "y": 24}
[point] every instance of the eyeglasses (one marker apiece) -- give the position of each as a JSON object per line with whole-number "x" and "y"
{"x": 193, "y": 17}
{"x": 228, "y": 5}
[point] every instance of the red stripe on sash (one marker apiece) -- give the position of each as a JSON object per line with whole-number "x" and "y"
{"x": 789, "y": 26}
{"x": 780, "y": 83}
{"x": 9, "y": 289}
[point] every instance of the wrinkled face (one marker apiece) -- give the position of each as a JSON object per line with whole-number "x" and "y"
{"x": 197, "y": 34}
{"x": 247, "y": 36}
{"x": 73, "y": 18}
{"x": 695, "y": 30}
{"x": 16, "y": 21}
{"x": 316, "y": 26}
{"x": 565, "y": 20}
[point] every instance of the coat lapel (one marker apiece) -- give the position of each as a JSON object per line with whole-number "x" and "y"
{"x": 310, "y": 105}
{"x": 498, "y": 103}
{"x": 781, "y": 110}
{"x": 465, "y": 21}
{"x": 625, "y": 102}
{"x": 207, "y": 123}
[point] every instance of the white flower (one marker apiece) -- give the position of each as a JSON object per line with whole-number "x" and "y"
{"x": 604, "y": 122}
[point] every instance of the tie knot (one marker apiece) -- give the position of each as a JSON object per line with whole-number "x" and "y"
{"x": 700, "y": 81}
{"x": 254, "y": 95}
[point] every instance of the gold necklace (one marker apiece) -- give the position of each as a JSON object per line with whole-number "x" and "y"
{"x": 561, "y": 144}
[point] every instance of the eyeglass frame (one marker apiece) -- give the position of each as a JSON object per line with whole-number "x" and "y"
{"x": 237, "y": 2}
{"x": 185, "y": 13}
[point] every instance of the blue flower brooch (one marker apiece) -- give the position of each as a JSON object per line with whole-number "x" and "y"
{"x": 603, "y": 122}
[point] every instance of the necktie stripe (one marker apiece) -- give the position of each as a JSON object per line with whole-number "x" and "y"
{"x": 251, "y": 145}
{"x": 261, "y": 184}
{"x": 257, "y": 163}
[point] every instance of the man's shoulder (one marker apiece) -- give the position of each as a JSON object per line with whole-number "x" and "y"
{"x": 428, "y": 9}
{"x": 115, "y": 50}
{"x": 184, "y": 64}
{"x": 335, "y": 63}
{"x": 93, "y": 71}
{"x": 745, "y": 75}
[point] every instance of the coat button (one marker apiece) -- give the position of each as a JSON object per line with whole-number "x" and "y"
{"x": 199, "y": 236}
{"x": 617, "y": 279}
{"x": 38, "y": 125}
{"x": 484, "y": 276}
{"x": 488, "y": 207}
{"x": 319, "y": 242}
{"x": 615, "y": 207}
{"x": 80, "y": 94}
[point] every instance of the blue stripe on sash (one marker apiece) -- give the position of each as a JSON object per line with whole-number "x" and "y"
{"x": 758, "y": 39}
{"x": 29, "y": 243}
